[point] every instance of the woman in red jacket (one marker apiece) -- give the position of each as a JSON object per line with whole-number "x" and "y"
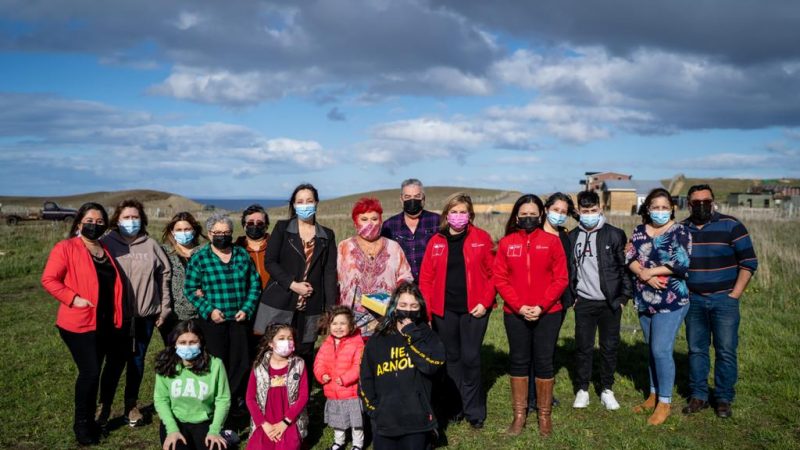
{"x": 530, "y": 273}
{"x": 84, "y": 278}
{"x": 456, "y": 282}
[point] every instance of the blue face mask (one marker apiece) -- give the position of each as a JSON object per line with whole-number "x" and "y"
{"x": 590, "y": 221}
{"x": 556, "y": 219}
{"x": 660, "y": 217}
{"x": 188, "y": 352}
{"x": 130, "y": 227}
{"x": 306, "y": 211}
{"x": 183, "y": 237}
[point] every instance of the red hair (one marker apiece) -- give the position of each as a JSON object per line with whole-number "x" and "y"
{"x": 365, "y": 205}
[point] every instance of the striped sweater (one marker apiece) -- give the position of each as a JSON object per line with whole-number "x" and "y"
{"x": 720, "y": 249}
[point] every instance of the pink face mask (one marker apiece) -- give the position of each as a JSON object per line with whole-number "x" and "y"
{"x": 457, "y": 221}
{"x": 370, "y": 231}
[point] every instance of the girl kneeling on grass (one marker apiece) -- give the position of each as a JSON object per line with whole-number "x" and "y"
{"x": 336, "y": 368}
{"x": 191, "y": 396}
{"x": 277, "y": 393}
{"x": 396, "y": 370}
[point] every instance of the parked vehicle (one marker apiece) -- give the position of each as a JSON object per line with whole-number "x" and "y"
{"x": 49, "y": 211}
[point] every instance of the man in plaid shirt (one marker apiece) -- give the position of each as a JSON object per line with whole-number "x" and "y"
{"x": 413, "y": 227}
{"x": 224, "y": 286}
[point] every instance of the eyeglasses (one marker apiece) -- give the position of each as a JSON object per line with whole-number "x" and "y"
{"x": 701, "y": 202}
{"x": 255, "y": 224}
{"x": 221, "y": 233}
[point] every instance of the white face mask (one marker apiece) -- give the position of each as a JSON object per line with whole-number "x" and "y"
{"x": 284, "y": 347}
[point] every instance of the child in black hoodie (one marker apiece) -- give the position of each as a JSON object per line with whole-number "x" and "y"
{"x": 396, "y": 370}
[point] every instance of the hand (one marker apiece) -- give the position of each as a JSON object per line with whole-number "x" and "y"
{"x": 302, "y": 288}
{"x": 217, "y": 316}
{"x": 267, "y": 427}
{"x": 326, "y": 378}
{"x": 478, "y": 311}
{"x": 171, "y": 442}
{"x": 277, "y": 431}
{"x": 536, "y": 312}
{"x": 240, "y": 316}
{"x": 159, "y": 322}
{"x": 215, "y": 441}
{"x": 198, "y": 293}
{"x": 628, "y": 247}
{"x": 645, "y": 275}
{"x": 657, "y": 283}
{"x": 339, "y": 381}
{"x": 80, "y": 302}
{"x": 405, "y": 322}
{"x": 734, "y": 295}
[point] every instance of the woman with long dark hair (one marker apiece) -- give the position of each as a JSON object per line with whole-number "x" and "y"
{"x": 181, "y": 238}
{"x": 530, "y": 273}
{"x": 82, "y": 276}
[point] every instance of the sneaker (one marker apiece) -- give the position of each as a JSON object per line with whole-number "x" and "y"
{"x": 581, "y": 399}
{"x": 608, "y": 400}
{"x": 230, "y": 437}
{"x": 135, "y": 417}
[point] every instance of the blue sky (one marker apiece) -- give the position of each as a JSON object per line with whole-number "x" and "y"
{"x": 250, "y": 98}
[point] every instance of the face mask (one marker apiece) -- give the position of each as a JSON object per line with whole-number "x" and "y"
{"x": 528, "y": 223}
{"x": 92, "y": 231}
{"x": 403, "y": 314}
{"x": 255, "y": 232}
{"x": 701, "y": 213}
{"x": 556, "y": 219}
{"x": 457, "y": 221}
{"x": 284, "y": 347}
{"x": 188, "y": 352}
{"x": 590, "y": 221}
{"x": 412, "y": 206}
{"x": 130, "y": 227}
{"x": 305, "y": 212}
{"x": 222, "y": 242}
{"x": 660, "y": 217}
{"x": 183, "y": 237}
{"x": 370, "y": 231}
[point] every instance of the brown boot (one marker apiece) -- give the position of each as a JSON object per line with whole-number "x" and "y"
{"x": 544, "y": 403}
{"x": 647, "y": 406}
{"x": 519, "y": 403}
{"x": 660, "y": 414}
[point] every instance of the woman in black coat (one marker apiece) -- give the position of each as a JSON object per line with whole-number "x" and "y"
{"x": 301, "y": 262}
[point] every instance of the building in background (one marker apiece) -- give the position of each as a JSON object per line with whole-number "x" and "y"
{"x": 593, "y": 181}
{"x": 625, "y": 196}
{"x": 751, "y": 199}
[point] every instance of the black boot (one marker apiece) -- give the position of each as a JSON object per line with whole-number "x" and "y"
{"x": 84, "y": 432}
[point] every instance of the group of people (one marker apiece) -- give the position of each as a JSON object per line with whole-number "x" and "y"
{"x": 240, "y": 320}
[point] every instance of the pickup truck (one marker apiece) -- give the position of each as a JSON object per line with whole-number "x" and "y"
{"x": 49, "y": 211}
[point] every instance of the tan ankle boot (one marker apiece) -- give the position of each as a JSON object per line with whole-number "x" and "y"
{"x": 544, "y": 403}
{"x": 648, "y": 404}
{"x": 519, "y": 403}
{"x": 660, "y": 414}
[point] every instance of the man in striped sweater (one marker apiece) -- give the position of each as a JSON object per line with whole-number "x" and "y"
{"x": 722, "y": 262}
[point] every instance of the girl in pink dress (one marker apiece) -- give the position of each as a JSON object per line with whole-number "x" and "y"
{"x": 277, "y": 393}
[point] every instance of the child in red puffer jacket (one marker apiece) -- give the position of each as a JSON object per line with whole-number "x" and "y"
{"x": 337, "y": 368}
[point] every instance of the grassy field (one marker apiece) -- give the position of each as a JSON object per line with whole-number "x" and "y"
{"x": 37, "y": 371}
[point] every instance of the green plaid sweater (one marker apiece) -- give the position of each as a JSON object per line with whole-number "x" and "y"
{"x": 230, "y": 287}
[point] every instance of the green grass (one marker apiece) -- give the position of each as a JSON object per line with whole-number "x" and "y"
{"x": 38, "y": 374}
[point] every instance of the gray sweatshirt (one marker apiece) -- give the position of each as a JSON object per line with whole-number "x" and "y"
{"x": 145, "y": 271}
{"x": 586, "y": 262}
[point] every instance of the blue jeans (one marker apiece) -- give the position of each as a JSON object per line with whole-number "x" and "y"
{"x": 143, "y": 331}
{"x": 717, "y": 315}
{"x": 660, "y": 331}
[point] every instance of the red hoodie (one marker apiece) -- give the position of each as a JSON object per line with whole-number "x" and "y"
{"x": 70, "y": 272}
{"x": 478, "y": 259}
{"x": 530, "y": 270}
{"x": 340, "y": 361}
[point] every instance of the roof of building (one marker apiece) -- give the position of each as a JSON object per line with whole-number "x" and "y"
{"x": 639, "y": 186}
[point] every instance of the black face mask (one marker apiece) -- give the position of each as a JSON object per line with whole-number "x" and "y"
{"x": 255, "y": 232}
{"x": 701, "y": 213}
{"x": 402, "y": 314}
{"x": 412, "y": 206}
{"x": 93, "y": 231}
{"x": 528, "y": 223}
{"x": 222, "y": 242}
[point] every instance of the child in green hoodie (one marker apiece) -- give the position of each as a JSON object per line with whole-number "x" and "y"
{"x": 191, "y": 396}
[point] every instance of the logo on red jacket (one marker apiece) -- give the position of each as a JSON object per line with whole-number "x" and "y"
{"x": 514, "y": 251}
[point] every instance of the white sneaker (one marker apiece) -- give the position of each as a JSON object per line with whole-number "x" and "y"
{"x": 581, "y": 399}
{"x": 608, "y": 400}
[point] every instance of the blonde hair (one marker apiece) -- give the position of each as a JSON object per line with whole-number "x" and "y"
{"x": 453, "y": 200}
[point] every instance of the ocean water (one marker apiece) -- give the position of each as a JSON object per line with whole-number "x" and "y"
{"x": 239, "y": 204}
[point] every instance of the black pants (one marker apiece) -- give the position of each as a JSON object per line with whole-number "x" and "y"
{"x": 532, "y": 341}
{"x": 462, "y": 336}
{"x": 194, "y": 433}
{"x": 532, "y": 386}
{"x": 589, "y": 317}
{"x": 89, "y": 351}
{"x": 414, "y": 441}
{"x": 229, "y": 341}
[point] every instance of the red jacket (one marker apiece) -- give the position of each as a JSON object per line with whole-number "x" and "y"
{"x": 531, "y": 270}
{"x": 478, "y": 259}
{"x": 69, "y": 272}
{"x": 342, "y": 361}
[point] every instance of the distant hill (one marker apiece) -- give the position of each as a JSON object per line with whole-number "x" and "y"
{"x": 164, "y": 201}
{"x": 724, "y": 186}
